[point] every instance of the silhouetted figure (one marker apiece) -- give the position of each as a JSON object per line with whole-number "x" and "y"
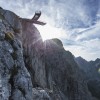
{"x": 35, "y": 19}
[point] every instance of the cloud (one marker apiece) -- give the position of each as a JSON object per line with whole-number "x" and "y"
{"x": 73, "y": 13}
{"x": 90, "y": 50}
{"x": 90, "y": 33}
{"x": 80, "y": 20}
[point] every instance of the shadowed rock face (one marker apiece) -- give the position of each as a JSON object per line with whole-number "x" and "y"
{"x": 33, "y": 70}
{"x": 91, "y": 67}
{"x": 33, "y": 53}
{"x": 63, "y": 73}
{"x": 92, "y": 74}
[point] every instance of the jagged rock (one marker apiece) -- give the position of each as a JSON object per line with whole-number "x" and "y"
{"x": 11, "y": 21}
{"x": 17, "y": 95}
{"x": 91, "y": 67}
{"x": 92, "y": 74}
{"x": 94, "y": 87}
{"x": 82, "y": 63}
{"x": 40, "y": 94}
{"x": 33, "y": 53}
{"x": 15, "y": 81}
{"x": 63, "y": 73}
{"x": 2, "y": 36}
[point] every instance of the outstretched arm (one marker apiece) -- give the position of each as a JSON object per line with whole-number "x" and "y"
{"x": 35, "y": 18}
{"x": 37, "y": 15}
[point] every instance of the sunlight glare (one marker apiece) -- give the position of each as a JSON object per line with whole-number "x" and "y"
{"x": 49, "y": 32}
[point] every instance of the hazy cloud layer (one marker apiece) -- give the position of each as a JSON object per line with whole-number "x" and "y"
{"x": 80, "y": 19}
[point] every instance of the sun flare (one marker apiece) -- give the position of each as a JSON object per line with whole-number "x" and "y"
{"x": 49, "y": 32}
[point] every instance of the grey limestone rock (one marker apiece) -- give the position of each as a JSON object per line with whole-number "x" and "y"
{"x": 15, "y": 81}
{"x": 63, "y": 72}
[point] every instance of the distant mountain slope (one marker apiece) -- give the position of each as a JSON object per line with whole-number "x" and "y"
{"x": 63, "y": 73}
{"x": 92, "y": 72}
{"x": 91, "y": 67}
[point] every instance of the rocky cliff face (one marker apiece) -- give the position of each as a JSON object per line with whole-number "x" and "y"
{"x": 15, "y": 81}
{"x": 92, "y": 74}
{"x": 33, "y": 53}
{"x": 91, "y": 67}
{"x": 63, "y": 73}
{"x": 33, "y": 70}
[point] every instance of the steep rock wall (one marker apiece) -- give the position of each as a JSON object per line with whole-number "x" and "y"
{"x": 63, "y": 72}
{"x": 15, "y": 80}
{"x": 33, "y": 53}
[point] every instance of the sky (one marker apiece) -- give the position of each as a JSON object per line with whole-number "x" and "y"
{"x": 75, "y": 22}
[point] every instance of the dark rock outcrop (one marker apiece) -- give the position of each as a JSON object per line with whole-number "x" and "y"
{"x": 33, "y": 70}
{"x": 63, "y": 73}
{"x": 91, "y": 67}
{"x": 33, "y": 53}
{"x": 83, "y": 64}
{"x": 92, "y": 74}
